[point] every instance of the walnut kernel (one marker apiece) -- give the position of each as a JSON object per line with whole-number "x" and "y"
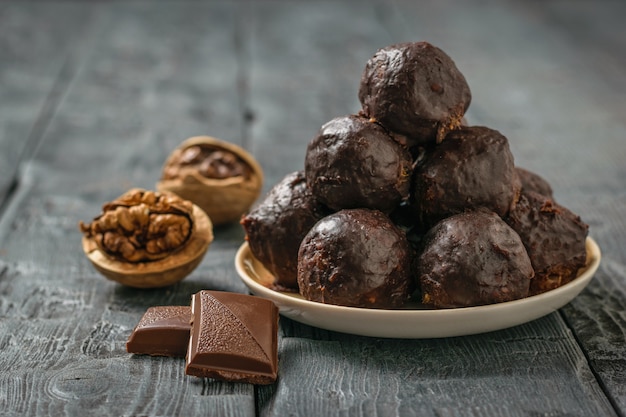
{"x": 219, "y": 177}
{"x": 147, "y": 239}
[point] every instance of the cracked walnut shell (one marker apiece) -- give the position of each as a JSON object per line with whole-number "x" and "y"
{"x": 219, "y": 177}
{"x": 147, "y": 239}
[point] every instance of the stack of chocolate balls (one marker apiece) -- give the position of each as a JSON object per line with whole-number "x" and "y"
{"x": 406, "y": 200}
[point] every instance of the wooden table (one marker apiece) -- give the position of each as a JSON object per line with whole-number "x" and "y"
{"x": 94, "y": 96}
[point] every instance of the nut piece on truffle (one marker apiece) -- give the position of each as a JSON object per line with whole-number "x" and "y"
{"x": 473, "y": 259}
{"x": 220, "y": 177}
{"x": 276, "y": 226}
{"x": 415, "y": 90}
{"x": 356, "y": 258}
{"x": 147, "y": 239}
{"x": 554, "y": 238}
{"x": 354, "y": 163}
{"x": 472, "y": 168}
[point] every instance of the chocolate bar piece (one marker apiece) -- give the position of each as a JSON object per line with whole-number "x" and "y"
{"x": 234, "y": 337}
{"x": 162, "y": 331}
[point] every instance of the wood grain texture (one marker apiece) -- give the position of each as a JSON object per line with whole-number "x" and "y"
{"x": 492, "y": 374}
{"x": 34, "y": 71}
{"x": 115, "y": 86}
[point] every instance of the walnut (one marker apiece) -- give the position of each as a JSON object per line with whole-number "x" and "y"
{"x": 219, "y": 177}
{"x": 147, "y": 239}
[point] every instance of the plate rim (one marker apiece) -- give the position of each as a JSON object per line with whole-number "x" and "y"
{"x": 559, "y": 297}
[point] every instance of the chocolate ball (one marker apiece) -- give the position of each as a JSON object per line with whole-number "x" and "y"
{"x": 276, "y": 226}
{"x": 472, "y": 168}
{"x": 473, "y": 259}
{"x": 554, "y": 238}
{"x": 531, "y": 181}
{"x": 354, "y": 163}
{"x": 415, "y": 90}
{"x": 357, "y": 258}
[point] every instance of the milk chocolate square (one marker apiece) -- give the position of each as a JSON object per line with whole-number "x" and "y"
{"x": 234, "y": 337}
{"x": 162, "y": 331}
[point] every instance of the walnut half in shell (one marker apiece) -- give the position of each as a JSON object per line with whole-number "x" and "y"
{"x": 147, "y": 239}
{"x": 221, "y": 178}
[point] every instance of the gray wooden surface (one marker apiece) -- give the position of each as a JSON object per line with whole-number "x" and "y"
{"x": 94, "y": 95}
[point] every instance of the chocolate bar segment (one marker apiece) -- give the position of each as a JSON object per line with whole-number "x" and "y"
{"x": 234, "y": 337}
{"x": 162, "y": 331}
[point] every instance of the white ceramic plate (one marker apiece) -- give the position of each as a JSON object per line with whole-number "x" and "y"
{"x": 416, "y": 321}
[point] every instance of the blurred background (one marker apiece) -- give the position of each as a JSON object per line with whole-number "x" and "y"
{"x": 264, "y": 74}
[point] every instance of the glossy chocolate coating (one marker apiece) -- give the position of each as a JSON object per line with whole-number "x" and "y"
{"x": 234, "y": 337}
{"x": 162, "y": 331}
{"x": 354, "y": 163}
{"x": 472, "y": 168}
{"x": 357, "y": 258}
{"x": 554, "y": 238}
{"x": 415, "y": 90}
{"x": 533, "y": 182}
{"x": 277, "y": 225}
{"x": 472, "y": 259}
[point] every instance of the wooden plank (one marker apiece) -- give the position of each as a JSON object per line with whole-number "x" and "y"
{"x": 597, "y": 315}
{"x": 146, "y": 78}
{"x": 528, "y": 369}
{"x": 33, "y": 74}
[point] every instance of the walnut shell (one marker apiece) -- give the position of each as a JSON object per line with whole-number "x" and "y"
{"x": 172, "y": 264}
{"x": 223, "y": 199}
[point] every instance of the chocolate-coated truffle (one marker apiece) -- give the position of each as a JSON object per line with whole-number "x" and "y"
{"x": 276, "y": 226}
{"x": 472, "y": 259}
{"x": 533, "y": 182}
{"x": 473, "y": 167}
{"x": 554, "y": 238}
{"x": 415, "y": 90}
{"x": 357, "y": 258}
{"x": 354, "y": 163}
